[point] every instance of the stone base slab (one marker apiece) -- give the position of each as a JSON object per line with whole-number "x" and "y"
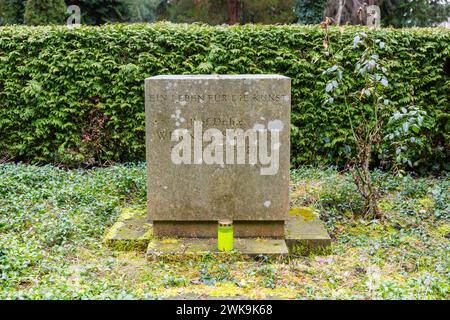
{"x": 208, "y": 229}
{"x": 189, "y": 246}
{"x": 303, "y": 234}
{"x": 306, "y": 234}
{"x": 132, "y": 231}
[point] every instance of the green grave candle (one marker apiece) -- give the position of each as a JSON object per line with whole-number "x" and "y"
{"x": 225, "y": 235}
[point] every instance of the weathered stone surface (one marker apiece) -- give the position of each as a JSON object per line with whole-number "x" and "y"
{"x": 190, "y": 246}
{"x": 208, "y": 229}
{"x": 306, "y": 234}
{"x": 132, "y": 231}
{"x": 217, "y": 176}
{"x": 202, "y": 188}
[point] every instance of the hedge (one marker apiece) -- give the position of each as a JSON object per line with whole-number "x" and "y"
{"x": 76, "y": 96}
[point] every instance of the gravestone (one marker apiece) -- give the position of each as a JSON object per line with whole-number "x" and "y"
{"x": 218, "y": 147}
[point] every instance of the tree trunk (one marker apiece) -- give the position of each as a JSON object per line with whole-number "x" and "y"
{"x": 233, "y": 11}
{"x": 339, "y": 12}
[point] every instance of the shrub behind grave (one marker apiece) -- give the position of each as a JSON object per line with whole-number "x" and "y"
{"x": 76, "y": 95}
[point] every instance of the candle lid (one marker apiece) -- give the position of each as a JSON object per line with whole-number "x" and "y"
{"x": 225, "y": 222}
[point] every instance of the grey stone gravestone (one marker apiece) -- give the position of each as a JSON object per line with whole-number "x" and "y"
{"x": 218, "y": 147}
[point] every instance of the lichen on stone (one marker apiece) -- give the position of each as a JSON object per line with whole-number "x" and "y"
{"x": 307, "y": 213}
{"x": 130, "y": 232}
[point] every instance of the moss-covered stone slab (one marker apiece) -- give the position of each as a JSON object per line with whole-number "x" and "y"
{"x": 132, "y": 231}
{"x": 305, "y": 233}
{"x": 189, "y": 246}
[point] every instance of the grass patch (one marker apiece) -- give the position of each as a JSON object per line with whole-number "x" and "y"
{"x": 52, "y": 222}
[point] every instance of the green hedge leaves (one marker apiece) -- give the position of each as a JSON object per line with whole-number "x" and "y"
{"x": 76, "y": 96}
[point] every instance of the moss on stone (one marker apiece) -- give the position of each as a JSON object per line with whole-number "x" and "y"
{"x": 169, "y": 240}
{"x": 310, "y": 248}
{"x": 307, "y": 213}
{"x": 127, "y": 245}
{"x": 132, "y": 231}
{"x": 132, "y": 214}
